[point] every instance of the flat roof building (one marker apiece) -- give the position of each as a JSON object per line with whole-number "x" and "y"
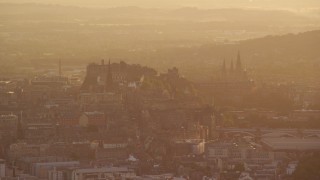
{"x": 292, "y": 144}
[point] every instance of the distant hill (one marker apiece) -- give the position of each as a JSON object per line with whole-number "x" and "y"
{"x": 294, "y": 55}
{"x": 248, "y": 15}
{"x": 194, "y": 40}
{"x": 290, "y": 47}
{"x": 281, "y": 48}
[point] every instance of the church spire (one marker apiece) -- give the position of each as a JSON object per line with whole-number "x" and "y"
{"x": 224, "y": 69}
{"x": 109, "y": 72}
{"x": 238, "y": 66}
{"x": 60, "y": 71}
{"x": 231, "y": 66}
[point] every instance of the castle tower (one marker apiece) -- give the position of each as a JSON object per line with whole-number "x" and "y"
{"x": 108, "y": 80}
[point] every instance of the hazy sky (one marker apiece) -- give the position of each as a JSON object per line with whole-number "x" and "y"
{"x": 273, "y": 4}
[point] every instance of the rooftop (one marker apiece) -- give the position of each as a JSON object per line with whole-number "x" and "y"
{"x": 292, "y": 143}
{"x": 94, "y": 113}
{"x": 11, "y": 116}
{"x": 58, "y": 163}
{"x": 104, "y": 169}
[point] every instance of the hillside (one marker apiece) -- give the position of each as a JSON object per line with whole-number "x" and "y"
{"x": 38, "y": 32}
{"x": 284, "y": 55}
{"x": 34, "y": 35}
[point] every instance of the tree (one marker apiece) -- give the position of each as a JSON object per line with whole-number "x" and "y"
{"x": 228, "y": 120}
{"x": 239, "y": 167}
{"x": 308, "y": 168}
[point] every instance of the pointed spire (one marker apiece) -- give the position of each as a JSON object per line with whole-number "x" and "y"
{"x": 224, "y": 69}
{"x": 238, "y": 66}
{"x": 60, "y": 71}
{"x": 231, "y": 66}
{"x": 109, "y": 72}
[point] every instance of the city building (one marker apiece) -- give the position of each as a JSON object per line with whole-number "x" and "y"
{"x": 103, "y": 173}
{"x": 97, "y": 119}
{"x": 293, "y": 144}
{"x": 2, "y": 168}
{"x": 8, "y": 126}
{"x": 41, "y": 169}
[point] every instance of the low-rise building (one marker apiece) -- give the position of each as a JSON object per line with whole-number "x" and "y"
{"x": 99, "y": 101}
{"x": 292, "y": 144}
{"x": 8, "y": 125}
{"x": 40, "y": 131}
{"x": 103, "y": 173}
{"x": 304, "y": 115}
{"x": 188, "y": 147}
{"x": 2, "y": 168}
{"x": 291, "y": 167}
{"x": 112, "y": 150}
{"x": 42, "y": 169}
{"x": 223, "y": 154}
{"x": 8, "y": 99}
{"x": 97, "y": 119}
{"x": 19, "y": 150}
